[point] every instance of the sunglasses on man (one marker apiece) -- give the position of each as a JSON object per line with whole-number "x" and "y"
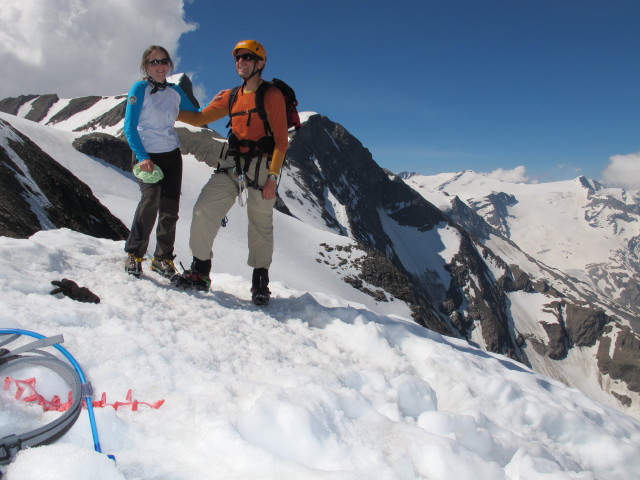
{"x": 155, "y": 63}
{"x": 247, "y": 57}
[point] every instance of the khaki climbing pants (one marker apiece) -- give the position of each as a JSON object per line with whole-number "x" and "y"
{"x": 216, "y": 199}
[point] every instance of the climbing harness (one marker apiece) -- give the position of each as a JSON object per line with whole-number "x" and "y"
{"x": 255, "y": 152}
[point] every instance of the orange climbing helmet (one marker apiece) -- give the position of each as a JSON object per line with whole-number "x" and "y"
{"x": 252, "y": 45}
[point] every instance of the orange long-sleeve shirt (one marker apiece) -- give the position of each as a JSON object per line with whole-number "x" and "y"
{"x": 245, "y": 100}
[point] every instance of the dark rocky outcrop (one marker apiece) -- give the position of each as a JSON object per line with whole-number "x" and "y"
{"x": 624, "y": 364}
{"x": 331, "y": 158}
{"x": 557, "y": 347}
{"x": 106, "y": 147}
{"x": 484, "y": 298}
{"x": 107, "y": 119}
{"x": 39, "y": 107}
{"x": 37, "y": 193}
{"x": 12, "y": 105}
{"x": 468, "y": 219}
{"x": 495, "y": 205}
{"x": 187, "y": 87}
{"x": 75, "y": 106}
{"x": 201, "y": 144}
{"x": 584, "y": 325}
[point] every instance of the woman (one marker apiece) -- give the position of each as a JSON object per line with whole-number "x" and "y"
{"x": 153, "y": 105}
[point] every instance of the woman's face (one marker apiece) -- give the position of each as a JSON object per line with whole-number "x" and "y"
{"x": 158, "y": 66}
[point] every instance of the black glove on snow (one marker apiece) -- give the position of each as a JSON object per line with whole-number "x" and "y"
{"x": 71, "y": 289}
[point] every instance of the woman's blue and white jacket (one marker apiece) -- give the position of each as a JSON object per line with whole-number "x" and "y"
{"x": 149, "y": 119}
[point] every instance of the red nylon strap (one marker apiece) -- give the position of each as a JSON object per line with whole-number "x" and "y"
{"x": 28, "y": 386}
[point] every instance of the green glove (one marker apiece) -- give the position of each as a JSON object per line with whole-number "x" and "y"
{"x": 148, "y": 177}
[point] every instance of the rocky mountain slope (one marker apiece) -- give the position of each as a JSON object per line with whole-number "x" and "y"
{"x": 36, "y": 193}
{"x": 459, "y": 265}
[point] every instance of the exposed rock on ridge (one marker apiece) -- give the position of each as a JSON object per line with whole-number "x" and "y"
{"x": 37, "y": 193}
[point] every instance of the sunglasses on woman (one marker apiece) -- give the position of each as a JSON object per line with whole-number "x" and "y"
{"x": 155, "y": 63}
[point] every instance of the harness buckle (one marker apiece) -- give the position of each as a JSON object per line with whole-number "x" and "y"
{"x": 9, "y": 448}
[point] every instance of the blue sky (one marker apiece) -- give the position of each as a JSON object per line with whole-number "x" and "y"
{"x": 447, "y": 85}
{"x": 536, "y": 90}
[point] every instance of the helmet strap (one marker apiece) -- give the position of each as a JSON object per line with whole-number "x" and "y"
{"x": 255, "y": 72}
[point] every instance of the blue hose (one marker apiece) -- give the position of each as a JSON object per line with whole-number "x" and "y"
{"x": 86, "y": 387}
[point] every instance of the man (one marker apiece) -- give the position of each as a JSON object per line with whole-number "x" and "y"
{"x": 248, "y": 172}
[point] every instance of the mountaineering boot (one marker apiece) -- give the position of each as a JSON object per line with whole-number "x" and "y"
{"x": 133, "y": 265}
{"x": 260, "y": 294}
{"x": 164, "y": 267}
{"x": 196, "y": 277}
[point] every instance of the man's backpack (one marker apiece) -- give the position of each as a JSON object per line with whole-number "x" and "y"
{"x": 290, "y": 101}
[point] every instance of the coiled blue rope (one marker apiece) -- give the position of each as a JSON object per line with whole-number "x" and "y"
{"x": 86, "y": 387}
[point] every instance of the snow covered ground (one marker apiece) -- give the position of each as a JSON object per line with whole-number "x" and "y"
{"x": 324, "y": 383}
{"x": 300, "y": 389}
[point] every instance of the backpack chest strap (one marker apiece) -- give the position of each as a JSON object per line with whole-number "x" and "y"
{"x": 248, "y": 113}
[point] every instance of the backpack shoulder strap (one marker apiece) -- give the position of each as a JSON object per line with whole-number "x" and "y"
{"x": 232, "y": 97}
{"x": 233, "y": 94}
{"x": 262, "y": 89}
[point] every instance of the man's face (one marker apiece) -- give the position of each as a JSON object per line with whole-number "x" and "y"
{"x": 247, "y": 62}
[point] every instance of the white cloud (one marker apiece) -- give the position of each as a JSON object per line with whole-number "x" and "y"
{"x": 623, "y": 171}
{"x": 515, "y": 175}
{"x": 82, "y": 47}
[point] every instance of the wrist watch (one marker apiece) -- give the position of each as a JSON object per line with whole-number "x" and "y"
{"x": 272, "y": 176}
